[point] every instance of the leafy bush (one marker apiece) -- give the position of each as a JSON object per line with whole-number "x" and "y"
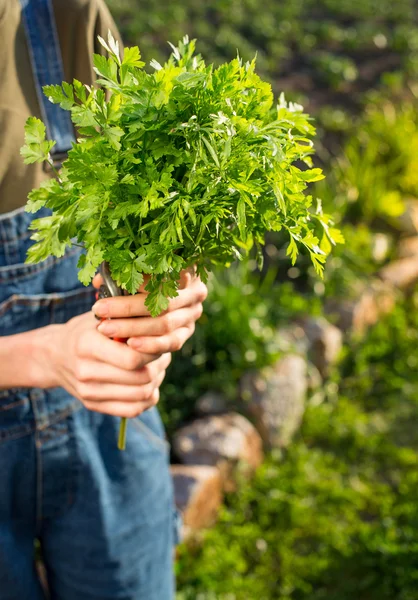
{"x": 378, "y": 166}
{"x": 337, "y": 518}
{"x": 238, "y": 331}
{"x": 357, "y": 262}
{"x": 304, "y": 44}
{"x": 365, "y": 188}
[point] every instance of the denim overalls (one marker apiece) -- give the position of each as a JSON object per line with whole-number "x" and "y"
{"x": 104, "y": 517}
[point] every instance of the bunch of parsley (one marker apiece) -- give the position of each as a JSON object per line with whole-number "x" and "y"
{"x": 188, "y": 165}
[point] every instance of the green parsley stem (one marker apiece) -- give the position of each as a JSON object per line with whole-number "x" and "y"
{"x": 122, "y": 433}
{"x": 128, "y": 225}
{"x": 56, "y": 173}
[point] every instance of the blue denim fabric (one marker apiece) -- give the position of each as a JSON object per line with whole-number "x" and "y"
{"x": 104, "y": 517}
{"x": 45, "y": 53}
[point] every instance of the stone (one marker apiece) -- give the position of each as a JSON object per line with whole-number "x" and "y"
{"x": 401, "y": 273}
{"x": 380, "y": 247}
{"x": 408, "y": 221}
{"x": 325, "y": 342}
{"x": 316, "y": 388}
{"x": 219, "y": 440}
{"x": 197, "y": 494}
{"x": 211, "y": 403}
{"x": 275, "y": 398}
{"x": 291, "y": 339}
{"x": 408, "y": 247}
{"x": 370, "y": 302}
{"x": 314, "y": 378}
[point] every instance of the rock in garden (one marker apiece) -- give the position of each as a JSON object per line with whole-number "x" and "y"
{"x": 211, "y": 403}
{"x": 292, "y": 339}
{"x": 198, "y": 494}
{"x": 222, "y": 440}
{"x": 408, "y": 247}
{"x": 314, "y": 378}
{"x": 325, "y": 342}
{"x": 275, "y": 398}
{"x": 380, "y": 247}
{"x": 408, "y": 221}
{"x": 368, "y": 304}
{"x": 401, "y": 273}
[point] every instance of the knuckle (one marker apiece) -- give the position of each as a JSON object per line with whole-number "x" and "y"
{"x": 88, "y": 404}
{"x": 177, "y": 343}
{"x": 202, "y": 292}
{"x": 162, "y": 377}
{"x": 133, "y": 411}
{"x": 132, "y": 361}
{"x": 156, "y": 346}
{"x": 127, "y": 309}
{"x": 155, "y": 398}
{"x": 147, "y": 391}
{"x": 148, "y": 372}
{"x": 141, "y": 394}
{"x": 85, "y": 393}
{"x": 79, "y": 345}
{"x": 168, "y": 323}
{"x": 78, "y": 371}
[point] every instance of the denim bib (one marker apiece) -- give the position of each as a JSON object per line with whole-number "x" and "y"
{"x": 105, "y": 518}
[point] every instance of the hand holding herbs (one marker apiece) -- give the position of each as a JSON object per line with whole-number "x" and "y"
{"x": 188, "y": 165}
{"x": 105, "y": 376}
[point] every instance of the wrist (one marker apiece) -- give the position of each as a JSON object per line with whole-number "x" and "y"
{"x": 39, "y": 351}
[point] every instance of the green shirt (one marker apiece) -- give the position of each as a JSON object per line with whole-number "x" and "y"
{"x": 79, "y": 22}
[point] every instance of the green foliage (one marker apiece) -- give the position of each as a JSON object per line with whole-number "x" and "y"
{"x": 357, "y": 262}
{"x": 36, "y": 148}
{"x": 187, "y": 165}
{"x": 336, "y": 516}
{"x": 310, "y": 46}
{"x": 364, "y": 188}
{"x": 237, "y": 332}
{"x": 378, "y": 165}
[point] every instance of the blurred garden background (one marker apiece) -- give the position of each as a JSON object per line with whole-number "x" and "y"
{"x": 332, "y": 512}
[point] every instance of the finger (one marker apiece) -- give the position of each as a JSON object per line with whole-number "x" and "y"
{"x": 124, "y": 409}
{"x": 134, "y": 306}
{"x": 185, "y": 279}
{"x": 97, "y": 346}
{"x": 121, "y": 307}
{"x": 97, "y": 281}
{"x": 92, "y": 371}
{"x": 151, "y": 326}
{"x": 161, "y": 344}
{"x": 196, "y": 292}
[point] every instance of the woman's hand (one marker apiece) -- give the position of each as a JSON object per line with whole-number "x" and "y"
{"x": 107, "y": 376}
{"x": 127, "y": 317}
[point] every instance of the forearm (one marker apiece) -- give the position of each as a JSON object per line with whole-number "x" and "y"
{"x": 22, "y": 359}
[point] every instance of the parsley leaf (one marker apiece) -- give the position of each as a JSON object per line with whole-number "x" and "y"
{"x": 187, "y": 165}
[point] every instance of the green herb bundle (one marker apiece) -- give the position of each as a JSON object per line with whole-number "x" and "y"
{"x": 188, "y": 165}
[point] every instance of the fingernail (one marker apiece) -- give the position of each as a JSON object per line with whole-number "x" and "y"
{"x": 100, "y": 309}
{"x": 107, "y": 328}
{"x": 135, "y": 343}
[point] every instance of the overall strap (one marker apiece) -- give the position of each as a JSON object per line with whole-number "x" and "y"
{"x": 47, "y": 67}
